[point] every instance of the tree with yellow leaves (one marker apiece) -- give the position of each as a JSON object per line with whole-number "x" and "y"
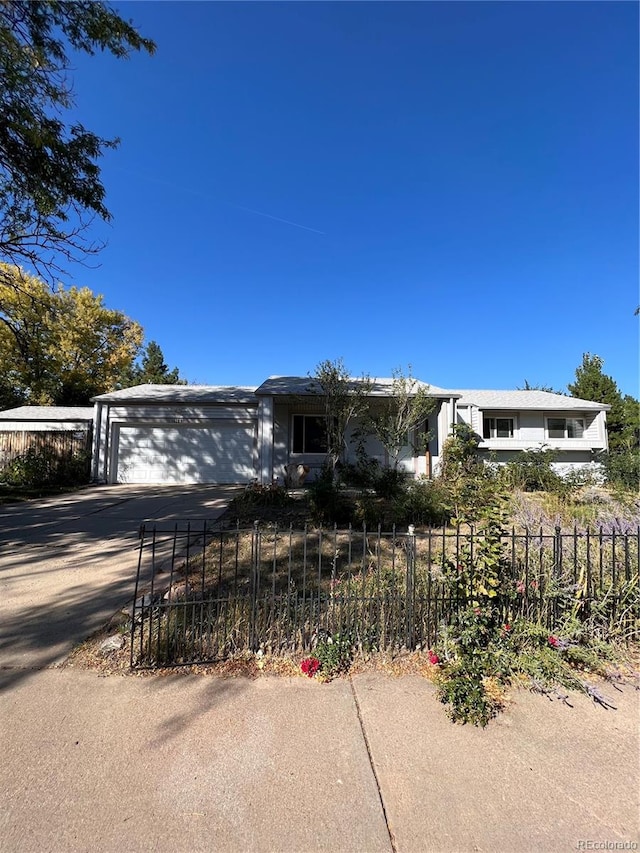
{"x": 60, "y": 346}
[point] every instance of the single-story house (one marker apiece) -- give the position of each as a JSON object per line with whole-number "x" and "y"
{"x": 46, "y": 419}
{"x": 67, "y": 429}
{"x": 229, "y": 434}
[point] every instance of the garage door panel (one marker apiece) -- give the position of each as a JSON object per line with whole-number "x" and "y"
{"x": 222, "y": 453}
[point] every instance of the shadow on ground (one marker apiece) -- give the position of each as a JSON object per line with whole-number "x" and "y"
{"x": 68, "y": 563}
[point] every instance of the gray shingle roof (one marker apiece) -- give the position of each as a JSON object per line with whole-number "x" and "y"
{"x": 305, "y": 385}
{"x": 181, "y": 394}
{"x": 526, "y": 400}
{"x": 48, "y": 413}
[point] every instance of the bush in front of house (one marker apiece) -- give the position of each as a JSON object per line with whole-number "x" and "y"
{"x": 328, "y": 503}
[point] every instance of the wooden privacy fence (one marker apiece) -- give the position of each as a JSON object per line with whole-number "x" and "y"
{"x": 217, "y": 592}
{"x": 60, "y": 444}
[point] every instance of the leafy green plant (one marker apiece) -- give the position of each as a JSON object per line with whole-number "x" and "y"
{"x": 468, "y": 483}
{"x": 424, "y": 502}
{"x": 622, "y": 468}
{"x": 257, "y": 495}
{"x": 467, "y": 699}
{"x": 334, "y": 654}
{"x": 43, "y": 467}
{"x": 532, "y": 471}
{"x": 327, "y": 501}
{"x": 390, "y": 483}
{"x": 398, "y": 420}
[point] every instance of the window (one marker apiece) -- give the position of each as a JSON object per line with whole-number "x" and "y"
{"x": 309, "y": 434}
{"x": 565, "y": 427}
{"x": 498, "y": 427}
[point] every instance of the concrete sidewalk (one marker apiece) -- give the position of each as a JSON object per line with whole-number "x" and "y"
{"x": 201, "y": 763}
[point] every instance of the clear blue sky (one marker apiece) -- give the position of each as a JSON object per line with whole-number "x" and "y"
{"x": 451, "y": 185}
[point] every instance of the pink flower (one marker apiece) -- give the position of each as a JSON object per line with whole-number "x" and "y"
{"x": 310, "y": 666}
{"x": 507, "y": 628}
{"x": 520, "y": 587}
{"x": 554, "y": 641}
{"x": 433, "y": 658}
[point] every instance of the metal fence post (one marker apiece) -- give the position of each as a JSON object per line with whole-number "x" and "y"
{"x": 255, "y": 569}
{"x": 411, "y": 570}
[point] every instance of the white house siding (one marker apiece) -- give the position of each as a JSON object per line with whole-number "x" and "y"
{"x": 280, "y": 439}
{"x": 530, "y": 434}
{"x": 44, "y": 426}
{"x": 443, "y": 421}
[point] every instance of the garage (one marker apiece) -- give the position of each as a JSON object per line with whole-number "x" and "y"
{"x": 218, "y": 452}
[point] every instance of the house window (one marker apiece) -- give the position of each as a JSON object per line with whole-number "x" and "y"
{"x": 309, "y": 434}
{"x": 565, "y": 427}
{"x": 498, "y": 427}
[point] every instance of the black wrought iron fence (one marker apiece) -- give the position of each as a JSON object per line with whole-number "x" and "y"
{"x": 211, "y": 593}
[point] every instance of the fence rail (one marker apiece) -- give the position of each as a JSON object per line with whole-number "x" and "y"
{"x": 216, "y": 592}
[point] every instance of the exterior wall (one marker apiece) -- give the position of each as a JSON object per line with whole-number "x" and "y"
{"x": 531, "y": 432}
{"x": 446, "y": 416}
{"x": 284, "y": 455}
{"x": 567, "y": 461}
{"x": 44, "y": 426}
{"x": 273, "y": 419}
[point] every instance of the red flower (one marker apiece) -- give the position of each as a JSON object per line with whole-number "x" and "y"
{"x": 554, "y": 641}
{"x": 310, "y": 666}
{"x": 507, "y": 628}
{"x": 433, "y": 657}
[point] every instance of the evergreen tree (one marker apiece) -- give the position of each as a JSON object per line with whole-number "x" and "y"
{"x": 592, "y": 384}
{"x": 153, "y": 370}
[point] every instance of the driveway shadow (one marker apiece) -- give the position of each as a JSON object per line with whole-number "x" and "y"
{"x": 67, "y": 564}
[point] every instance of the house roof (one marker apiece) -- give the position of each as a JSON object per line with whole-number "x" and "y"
{"x": 308, "y": 386}
{"x": 48, "y": 413}
{"x": 180, "y": 394}
{"x": 526, "y": 400}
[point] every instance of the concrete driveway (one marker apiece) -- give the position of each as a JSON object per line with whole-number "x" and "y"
{"x": 67, "y": 563}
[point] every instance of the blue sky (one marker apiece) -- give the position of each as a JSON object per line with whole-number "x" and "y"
{"x": 450, "y": 185}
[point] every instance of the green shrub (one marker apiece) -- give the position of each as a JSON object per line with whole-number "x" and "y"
{"x": 390, "y": 483}
{"x": 335, "y": 654}
{"x": 422, "y": 502}
{"x": 44, "y": 467}
{"x": 467, "y": 699}
{"x": 622, "y": 468}
{"x": 256, "y": 495}
{"x": 368, "y": 473}
{"x": 362, "y": 475}
{"x": 532, "y": 471}
{"x": 327, "y": 502}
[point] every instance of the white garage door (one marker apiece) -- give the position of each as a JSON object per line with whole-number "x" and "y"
{"x": 220, "y": 453}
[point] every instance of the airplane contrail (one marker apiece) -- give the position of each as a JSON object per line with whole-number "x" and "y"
{"x": 278, "y": 219}
{"x": 209, "y": 198}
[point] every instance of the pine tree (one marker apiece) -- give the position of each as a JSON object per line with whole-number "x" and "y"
{"x": 592, "y": 384}
{"x": 153, "y": 369}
